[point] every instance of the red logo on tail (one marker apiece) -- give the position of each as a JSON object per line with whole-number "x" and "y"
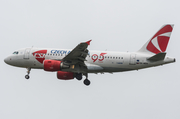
{"x": 160, "y": 40}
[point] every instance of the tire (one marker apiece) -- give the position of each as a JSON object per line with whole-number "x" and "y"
{"x": 27, "y": 76}
{"x": 87, "y": 82}
{"x": 79, "y": 76}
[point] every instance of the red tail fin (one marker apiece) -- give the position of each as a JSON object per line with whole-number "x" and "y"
{"x": 158, "y": 43}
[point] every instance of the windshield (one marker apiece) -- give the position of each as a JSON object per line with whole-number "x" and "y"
{"x": 16, "y": 52}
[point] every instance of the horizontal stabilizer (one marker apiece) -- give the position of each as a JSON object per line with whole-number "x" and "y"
{"x": 157, "y": 57}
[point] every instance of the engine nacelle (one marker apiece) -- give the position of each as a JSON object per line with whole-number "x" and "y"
{"x": 52, "y": 65}
{"x": 65, "y": 75}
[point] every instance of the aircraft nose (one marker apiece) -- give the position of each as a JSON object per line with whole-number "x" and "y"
{"x": 7, "y": 60}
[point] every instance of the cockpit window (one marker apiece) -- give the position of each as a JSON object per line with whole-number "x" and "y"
{"x": 16, "y": 52}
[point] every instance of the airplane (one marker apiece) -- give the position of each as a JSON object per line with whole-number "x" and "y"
{"x": 74, "y": 63}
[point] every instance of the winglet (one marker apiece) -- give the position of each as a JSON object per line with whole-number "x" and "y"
{"x": 88, "y": 42}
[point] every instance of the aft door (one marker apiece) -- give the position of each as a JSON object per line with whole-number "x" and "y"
{"x": 132, "y": 59}
{"x": 27, "y": 53}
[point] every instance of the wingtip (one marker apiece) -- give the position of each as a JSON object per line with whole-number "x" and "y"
{"x": 88, "y": 42}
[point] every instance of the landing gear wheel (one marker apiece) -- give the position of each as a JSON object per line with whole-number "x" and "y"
{"x": 27, "y": 76}
{"x": 87, "y": 82}
{"x": 79, "y": 76}
{"x": 28, "y": 72}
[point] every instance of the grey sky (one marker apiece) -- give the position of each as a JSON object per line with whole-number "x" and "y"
{"x": 116, "y": 25}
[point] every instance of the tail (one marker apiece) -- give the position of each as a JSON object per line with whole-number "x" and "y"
{"x": 158, "y": 43}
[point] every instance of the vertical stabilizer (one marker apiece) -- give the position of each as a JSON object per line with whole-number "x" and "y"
{"x": 158, "y": 43}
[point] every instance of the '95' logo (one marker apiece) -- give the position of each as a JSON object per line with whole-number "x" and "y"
{"x": 95, "y": 57}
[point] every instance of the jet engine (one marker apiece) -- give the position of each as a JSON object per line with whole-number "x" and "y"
{"x": 54, "y": 65}
{"x": 65, "y": 75}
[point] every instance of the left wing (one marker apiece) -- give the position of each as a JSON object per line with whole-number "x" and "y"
{"x": 75, "y": 59}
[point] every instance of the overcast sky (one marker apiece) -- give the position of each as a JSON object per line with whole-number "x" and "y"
{"x": 113, "y": 25}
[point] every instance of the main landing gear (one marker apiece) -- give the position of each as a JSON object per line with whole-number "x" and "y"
{"x": 86, "y": 81}
{"x": 79, "y": 77}
{"x": 28, "y": 72}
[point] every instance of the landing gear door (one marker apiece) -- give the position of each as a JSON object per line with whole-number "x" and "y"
{"x": 27, "y": 53}
{"x": 132, "y": 59}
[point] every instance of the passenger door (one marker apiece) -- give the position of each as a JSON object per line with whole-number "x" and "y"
{"x": 132, "y": 59}
{"x": 27, "y": 53}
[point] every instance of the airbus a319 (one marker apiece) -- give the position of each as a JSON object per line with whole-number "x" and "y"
{"x": 74, "y": 63}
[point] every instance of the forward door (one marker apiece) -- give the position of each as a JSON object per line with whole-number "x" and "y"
{"x": 27, "y": 53}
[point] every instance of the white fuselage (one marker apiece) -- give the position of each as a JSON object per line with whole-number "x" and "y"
{"x": 75, "y": 63}
{"x": 96, "y": 61}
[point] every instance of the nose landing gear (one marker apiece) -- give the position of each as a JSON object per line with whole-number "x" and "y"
{"x": 28, "y": 72}
{"x": 27, "y": 76}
